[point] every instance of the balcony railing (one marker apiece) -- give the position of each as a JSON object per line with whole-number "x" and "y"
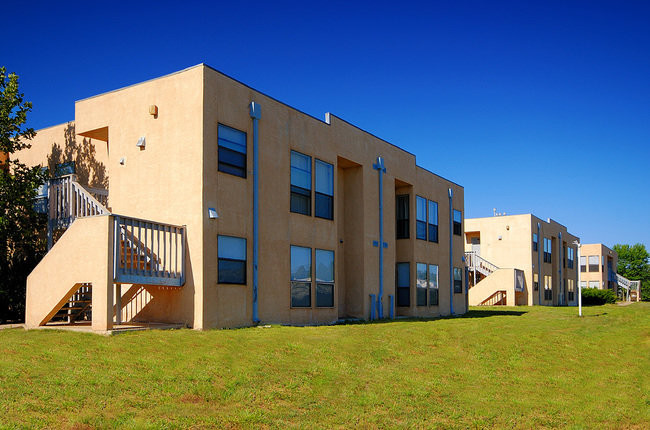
{"x": 148, "y": 253}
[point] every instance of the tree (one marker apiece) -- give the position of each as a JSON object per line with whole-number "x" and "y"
{"x": 634, "y": 264}
{"x": 22, "y": 230}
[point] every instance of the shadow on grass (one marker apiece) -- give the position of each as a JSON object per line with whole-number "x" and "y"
{"x": 492, "y": 313}
{"x": 469, "y": 314}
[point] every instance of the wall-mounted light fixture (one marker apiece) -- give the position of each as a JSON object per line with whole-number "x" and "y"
{"x": 212, "y": 213}
{"x": 142, "y": 142}
{"x": 153, "y": 111}
{"x": 123, "y": 161}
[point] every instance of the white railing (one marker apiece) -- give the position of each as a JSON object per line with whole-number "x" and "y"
{"x": 479, "y": 264}
{"x": 148, "y": 253}
{"x": 623, "y": 281}
{"x": 68, "y": 200}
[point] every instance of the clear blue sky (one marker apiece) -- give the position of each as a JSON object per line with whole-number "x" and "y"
{"x": 539, "y": 107}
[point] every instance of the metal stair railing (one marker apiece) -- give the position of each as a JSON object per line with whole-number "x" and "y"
{"x": 479, "y": 264}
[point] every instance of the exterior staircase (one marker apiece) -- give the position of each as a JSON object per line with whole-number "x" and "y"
{"x": 477, "y": 264}
{"x": 92, "y": 254}
{"x": 499, "y": 298}
{"x": 632, "y": 288}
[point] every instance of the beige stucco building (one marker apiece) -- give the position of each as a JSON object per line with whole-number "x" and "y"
{"x": 598, "y": 266}
{"x": 168, "y": 170}
{"x": 520, "y": 260}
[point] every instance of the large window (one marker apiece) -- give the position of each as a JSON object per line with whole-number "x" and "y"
{"x": 535, "y": 282}
{"x": 324, "y": 278}
{"x": 458, "y": 223}
{"x": 324, "y": 190}
{"x": 548, "y": 250}
{"x": 232, "y": 150}
{"x": 583, "y": 263}
{"x": 433, "y": 285}
{"x": 300, "y": 277}
{"x": 458, "y": 280}
{"x": 420, "y": 218}
{"x": 231, "y": 266}
{"x": 570, "y": 257}
{"x": 548, "y": 288}
{"x": 433, "y": 221}
{"x": 402, "y": 216}
{"x": 593, "y": 263}
{"x": 571, "y": 290}
{"x": 422, "y": 284}
{"x": 300, "y": 183}
{"x": 403, "y": 280}
{"x": 594, "y": 284}
{"x": 535, "y": 242}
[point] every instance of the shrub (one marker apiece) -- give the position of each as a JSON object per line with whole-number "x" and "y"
{"x": 594, "y": 296}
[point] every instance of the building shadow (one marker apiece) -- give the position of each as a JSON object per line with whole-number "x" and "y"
{"x": 90, "y": 171}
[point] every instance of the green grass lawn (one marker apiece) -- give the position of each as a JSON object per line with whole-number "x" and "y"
{"x": 496, "y": 367}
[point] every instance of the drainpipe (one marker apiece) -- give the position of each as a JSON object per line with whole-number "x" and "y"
{"x": 379, "y": 166}
{"x": 539, "y": 265}
{"x": 255, "y": 112}
{"x": 560, "y": 262}
{"x": 451, "y": 254}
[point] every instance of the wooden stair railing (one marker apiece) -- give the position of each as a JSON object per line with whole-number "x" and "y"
{"x": 498, "y": 298}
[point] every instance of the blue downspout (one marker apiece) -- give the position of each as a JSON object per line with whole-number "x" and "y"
{"x": 379, "y": 166}
{"x": 255, "y": 112}
{"x": 451, "y": 253}
{"x": 560, "y": 261}
{"x": 539, "y": 266}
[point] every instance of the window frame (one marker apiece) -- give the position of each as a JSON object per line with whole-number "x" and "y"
{"x": 322, "y": 196}
{"x": 227, "y": 164}
{"x": 398, "y": 287}
{"x": 299, "y": 190}
{"x": 457, "y": 225}
{"x": 227, "y": 259}
{"x": 432, "y": 288}
{"x": 421, "y": 290}
{"x": 318, "y": 283}
{"x": 591, "y": 265}
{"x": 402, "y": 225}
{"x": 300, "y": 282}
{"x": 458, "y": 283}
{"x": 535, "y": 242}
{"x": 432, "y": 228}
{"x": 420, "y": 223}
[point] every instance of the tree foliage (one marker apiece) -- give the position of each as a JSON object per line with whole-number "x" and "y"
{"x": 634, "y": 264}
{"x": 22, "y": 230}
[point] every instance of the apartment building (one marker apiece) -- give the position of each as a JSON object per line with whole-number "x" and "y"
{"x": 520, "y": 260}
{"x": 195, "y": 199}
{"x": 598, "y": 266}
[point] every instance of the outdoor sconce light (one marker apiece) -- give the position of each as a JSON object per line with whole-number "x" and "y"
{"x": 153, "y": 111}
{"x": 212, "y": 213}
{"x": 123, "y": 161}
{"x": 142, "y": 142}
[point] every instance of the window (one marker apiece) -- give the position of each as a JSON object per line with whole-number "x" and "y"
{"x": 300, "y": 183}
{"x": 593, "y": 263}
{"x": 402, "y": 216}
{"x": 570, "y": 257}
{"x": 583, "y": 284}
{"x": 324, "y": 278}
{"x": 548, "y": 288}
{"x": 231, "y": 265}
{"x": 420, "y": 218}
{"x": 458, "y": 223}
{"x": 300, "y": 277}
{"x": 594, "y": 284}
{"x": 324, "y": 190}
{"x": 232, "y": 150}
{"x": 603, "y": 264}
{"x": 535, "y": 282}
{"x": 433, "y": 221}
{"x": 421, "y": 284}
{"x": 535, "y": 242}
{"x": 433, "y": 285}
{"x": 548, "y": 250}
{"x": 583, "y": 263}
{"x": 458, "y": 280}
{"x": 403, "y": 280}
{"x": 571, "y": 290}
